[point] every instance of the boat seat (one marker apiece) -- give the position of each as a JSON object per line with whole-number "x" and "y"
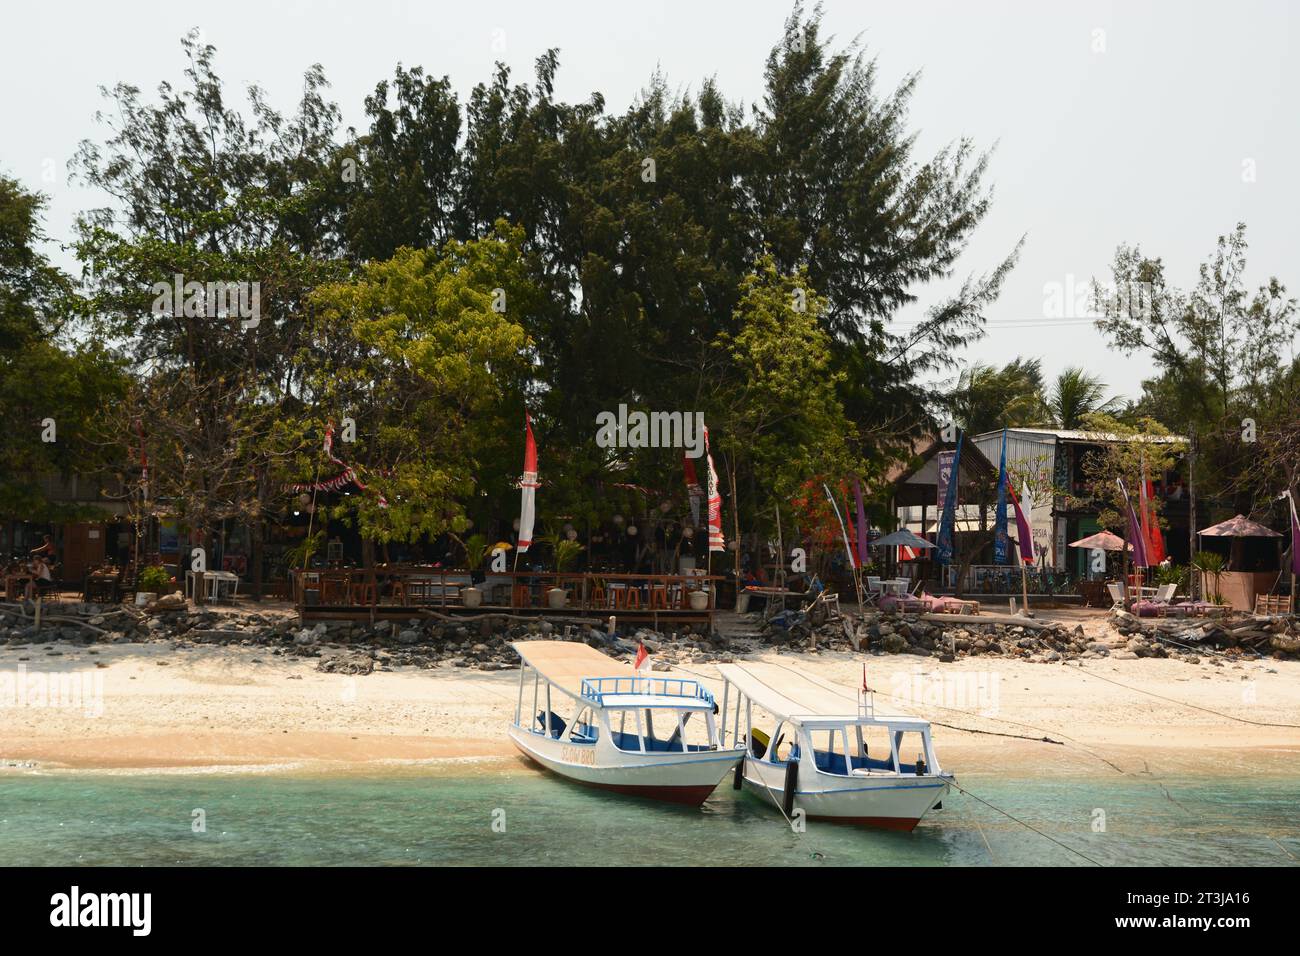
{"x": 557, "y": 724}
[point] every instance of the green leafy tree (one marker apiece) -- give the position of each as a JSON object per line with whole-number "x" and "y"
{"x": 1074, "y": 395}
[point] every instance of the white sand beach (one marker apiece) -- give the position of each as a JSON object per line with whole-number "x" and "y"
{"x": 156, "y": 706}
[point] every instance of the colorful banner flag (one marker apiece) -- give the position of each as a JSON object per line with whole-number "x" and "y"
{"x": 1000, "y": 537}
{"x": 693, "y": 490}
{"x": 945, "y": 545}
{"x": 1155, "y": 539}
{"x": 862, "y": 522}
{"x": 1024, "y": 534}
{"x": 716, "y": 542}
{"x": 844, "y": 534}
{"x": 348, "y": 477}
{"x": 1135, "y": 538}
{"x": 528, "y": 488}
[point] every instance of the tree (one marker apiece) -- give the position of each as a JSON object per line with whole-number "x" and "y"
{"x": 987, "y": 398}
{"x": 1124, "y": 452}
{"x": 51, "y": 393}
{"x": 1220, "y": 353}
{"x": 439, "y": 375}
{"x": 1074, "y": 395}
{"x": 204, "y": 202}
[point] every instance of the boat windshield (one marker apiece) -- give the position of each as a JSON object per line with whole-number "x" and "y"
{"x": 853, "y": 749}
{"x": 660, "y": 730}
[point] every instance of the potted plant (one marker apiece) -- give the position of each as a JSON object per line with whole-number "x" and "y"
{"x": 476, "y": 547}
{"x": 1210, "y": 564}
{"x": 566, "y": 555}
{"x": 299, "y": 557}
{"x": 153, "y": 580}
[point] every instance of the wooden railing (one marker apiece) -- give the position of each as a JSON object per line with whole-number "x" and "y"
{"x": 444, "y": 588}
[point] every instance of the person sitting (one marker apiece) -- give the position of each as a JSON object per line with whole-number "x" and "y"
{"x": 42, "y": 580}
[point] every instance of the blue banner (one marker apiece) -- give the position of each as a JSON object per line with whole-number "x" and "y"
{"x": 1001, "y": 540}
{"x": 944, "y": 546}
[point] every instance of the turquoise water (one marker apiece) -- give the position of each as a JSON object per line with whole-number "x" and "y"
{"x": 436, "y": 819}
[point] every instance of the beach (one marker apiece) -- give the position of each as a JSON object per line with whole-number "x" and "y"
{"x": 157, "y": 706}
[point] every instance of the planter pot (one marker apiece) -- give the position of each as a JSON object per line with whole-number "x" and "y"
{"x": 699, "y": 600}
{"x": 557, "y": 597}
{"x": 472, "y": 597}
{"x": 742, "y": 602}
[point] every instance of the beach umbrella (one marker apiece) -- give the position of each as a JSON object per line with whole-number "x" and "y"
{"x": 1101, "y": 541}
{"x": 1240, "y": 527}
{"x": 901, "y": 538}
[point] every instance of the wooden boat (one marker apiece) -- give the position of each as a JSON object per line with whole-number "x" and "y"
{"x": 820, "y": 749}
{"x": 598, "y": 722}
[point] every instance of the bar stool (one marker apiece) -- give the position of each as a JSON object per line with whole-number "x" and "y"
{"x": 363, "y": 592}
{"x": 597, "y": 594}
{"x": 659, "y": 596}
{"x": 521, "y": 595}
{"x": 333, "y": 588}
{"x": 397, "y": 590}
{"x": 631, "y": 598}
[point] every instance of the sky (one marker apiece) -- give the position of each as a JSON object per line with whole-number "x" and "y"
{"x": 1154, "y": 123}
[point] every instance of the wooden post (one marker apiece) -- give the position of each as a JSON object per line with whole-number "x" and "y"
{"x": 1024, "y": 587}
{"x": 780, "y": 553}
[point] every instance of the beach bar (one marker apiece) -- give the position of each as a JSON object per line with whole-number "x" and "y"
{"x": 397, "y": 592}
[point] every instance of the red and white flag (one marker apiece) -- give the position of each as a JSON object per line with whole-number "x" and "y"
{"x": 528, "y": 487}
{"x": 641, "y": 655}
{"x": 716, "y": 542}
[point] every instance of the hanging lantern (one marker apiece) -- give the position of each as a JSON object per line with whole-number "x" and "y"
{"x": 617, "y": 519}
{"x": 688, "y": 532}
{"x": 304, "y": 499}
{"x": 571, "y": 535}
{"x": 631, "y": 531}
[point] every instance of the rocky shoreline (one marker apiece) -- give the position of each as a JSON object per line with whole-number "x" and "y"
{"x": 483, "y": 643}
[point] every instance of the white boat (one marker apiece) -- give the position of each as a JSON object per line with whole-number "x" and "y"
{"x": 598, "y": 722}
{"x": 820, "y": 748}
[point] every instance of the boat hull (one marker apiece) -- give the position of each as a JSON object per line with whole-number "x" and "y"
{"x": 885, "y": 801}
{"x": 681, "y": 778}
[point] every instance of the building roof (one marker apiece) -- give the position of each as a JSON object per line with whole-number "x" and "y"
{"x": 1083, "y": 435}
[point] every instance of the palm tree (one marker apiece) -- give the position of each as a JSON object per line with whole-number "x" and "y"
{"x": 1076, "y": 394}
{"x": 988, "y": 398}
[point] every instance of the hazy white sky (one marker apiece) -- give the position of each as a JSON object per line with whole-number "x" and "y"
{"x": 1160, "y": 123}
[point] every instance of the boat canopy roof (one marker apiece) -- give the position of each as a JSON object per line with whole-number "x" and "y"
{"x": 804, "y": 699}
{"x": 566, "y": 664}
{"x": 583, "y": 672}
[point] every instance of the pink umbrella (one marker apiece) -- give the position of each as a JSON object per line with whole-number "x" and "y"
{"x": 1103, "y": 541}
{"x": 1240, "y": 527}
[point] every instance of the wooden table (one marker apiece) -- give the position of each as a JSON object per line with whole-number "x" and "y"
{"x": 102, "y": 587}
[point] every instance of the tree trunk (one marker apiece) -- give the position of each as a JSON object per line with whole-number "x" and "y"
{"x": 255, "y": 549}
